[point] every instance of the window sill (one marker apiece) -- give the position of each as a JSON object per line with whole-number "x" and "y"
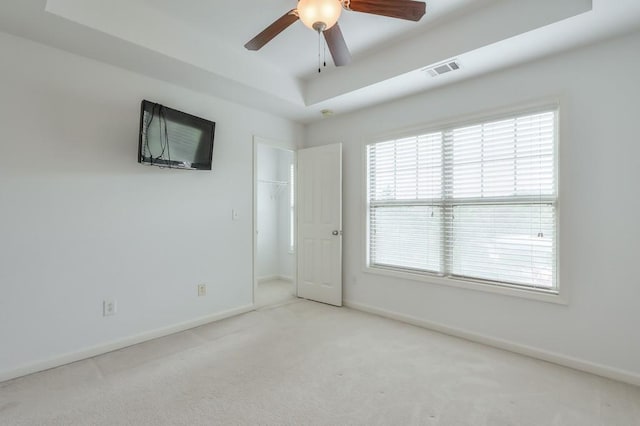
{"x": 506, "y": 290}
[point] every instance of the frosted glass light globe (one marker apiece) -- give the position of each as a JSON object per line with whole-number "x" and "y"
{"x": 319, "y": 15}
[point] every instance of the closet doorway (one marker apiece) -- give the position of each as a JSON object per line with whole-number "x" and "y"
{"x": 274, "y": 225}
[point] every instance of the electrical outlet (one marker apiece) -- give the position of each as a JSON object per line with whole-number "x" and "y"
{"x": 202, "y": 290}
{"x": 109, "y": 307}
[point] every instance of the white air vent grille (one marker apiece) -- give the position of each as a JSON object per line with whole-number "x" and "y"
{"x": 443, "y": 68}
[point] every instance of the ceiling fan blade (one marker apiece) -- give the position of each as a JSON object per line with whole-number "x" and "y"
{"x": 337, "y": 46}
{"x": 401, "y": 9}
{"x": 273, "y": 30}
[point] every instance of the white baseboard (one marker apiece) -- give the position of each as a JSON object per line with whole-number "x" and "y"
{"x": 266, "y": 278}
{"x": 273, "y": 278}
{"x": 553, "y": 357}
{"x": 119, "y": 344}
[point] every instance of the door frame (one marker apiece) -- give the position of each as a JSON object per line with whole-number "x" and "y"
{"x": 285, "y": 146}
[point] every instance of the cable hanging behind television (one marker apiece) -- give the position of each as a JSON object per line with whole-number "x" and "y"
{"x": 174, "y": 139}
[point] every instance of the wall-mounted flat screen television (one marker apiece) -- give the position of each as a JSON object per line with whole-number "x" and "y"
{"x": 174, "y": 139}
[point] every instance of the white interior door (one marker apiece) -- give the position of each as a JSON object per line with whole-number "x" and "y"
{"x": 320, "y": 224}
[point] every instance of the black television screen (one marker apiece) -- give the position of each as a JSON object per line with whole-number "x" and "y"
{"x": 174, "y": 139}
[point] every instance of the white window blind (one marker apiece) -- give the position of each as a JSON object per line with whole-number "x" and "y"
{"x": 475, "y": 202}
{"x": 405, "y": 203}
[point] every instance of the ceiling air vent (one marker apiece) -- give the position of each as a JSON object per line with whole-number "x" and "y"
{"x": 443, "y": 68}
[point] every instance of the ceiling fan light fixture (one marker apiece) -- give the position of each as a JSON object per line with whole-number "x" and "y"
{"x": 319, "y": 15}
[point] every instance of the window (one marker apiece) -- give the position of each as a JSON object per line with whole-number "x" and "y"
{"x": 475, "y": 202}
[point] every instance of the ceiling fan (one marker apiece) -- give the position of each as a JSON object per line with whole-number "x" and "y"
{"x": 322, "y": 16}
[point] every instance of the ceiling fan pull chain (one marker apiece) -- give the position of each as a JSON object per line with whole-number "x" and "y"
{"x": 319, "y": 48}
{"x": 324, "y": 53}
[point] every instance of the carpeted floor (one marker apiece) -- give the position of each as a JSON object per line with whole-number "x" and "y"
{"x": 305, "y": 363}
{"x": 274, "y": 292}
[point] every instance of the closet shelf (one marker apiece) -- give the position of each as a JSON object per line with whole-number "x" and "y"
{"x": 274, "y": 182}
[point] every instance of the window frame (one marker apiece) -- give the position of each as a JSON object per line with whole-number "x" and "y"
{"x": 558, "y": 295}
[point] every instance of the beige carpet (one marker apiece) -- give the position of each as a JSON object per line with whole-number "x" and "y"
{"x": 305, "y": 363}
{"x": 274, "y": 292}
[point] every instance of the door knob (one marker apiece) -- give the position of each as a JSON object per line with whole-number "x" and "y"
{"x": 336, "y": 232}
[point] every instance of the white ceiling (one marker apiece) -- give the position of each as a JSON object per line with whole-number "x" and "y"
{"x": 199, "y": 44}
{"x": 295, "y": 51}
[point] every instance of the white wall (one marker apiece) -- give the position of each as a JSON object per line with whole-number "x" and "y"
{"x": 599, "y": 203}
{"x": 273, "y": 257}
{"x": 81, "y": 221}
{"x": 286, "y": 257}
{"x": 267, "y": 213}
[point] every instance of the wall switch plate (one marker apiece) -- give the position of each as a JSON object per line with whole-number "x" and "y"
{"x": 234, "y": 214}
{"x": 109, "y": 307}
{"x": 202, "y": 290}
